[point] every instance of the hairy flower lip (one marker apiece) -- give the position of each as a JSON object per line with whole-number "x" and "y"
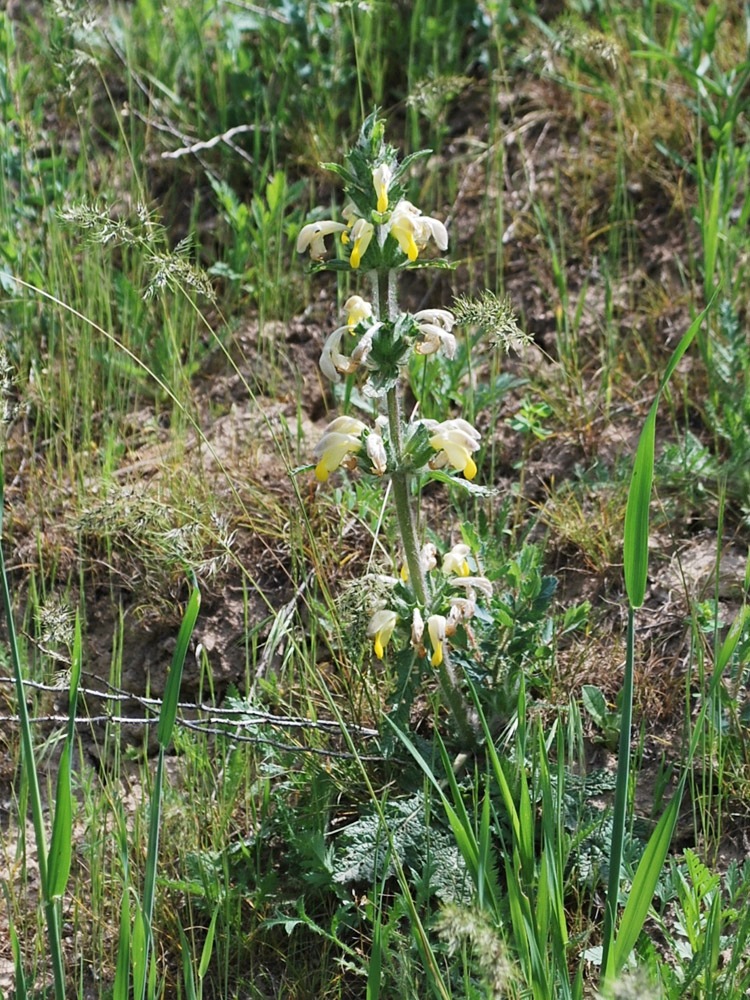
{"x": 312, "y": 237}
{"x": 360, "y": 237}
{"x": 380, "y": 629}
{"x": 357, "y": 310}
{"x": 376, "y": 453}
{"x": 440, "y": 317}
{"x": 435, "y": 339}
{"x": 413, "y": 231}
{"x": 342, "y": 437}
{"x": 472, "y": 583}
{"x": 436, "y": 625}
{"x": 332, "y": 361}
{"x": 381, "y": 179}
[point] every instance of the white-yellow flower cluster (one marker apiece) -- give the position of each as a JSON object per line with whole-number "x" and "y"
{"x": 455, "y": 608}
{"x": 404, "y": 223}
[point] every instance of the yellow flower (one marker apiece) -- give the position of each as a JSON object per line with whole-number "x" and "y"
{"x": 332, "y": 361}
{"x": 413, "y": 230}
{"x": 357, "y": 310}
{"x": 360, "y": 236}
{"x": 455, "y": 441}
{"x": 342, "y": 437}
{"x": 436, "y": 630}
{"x": 435, "y": 325}
{"x": 454, "y": 562}
{"x": 381, "y": 628}
{"x": 312, "y": 237}
{"x": 381, "y": 179}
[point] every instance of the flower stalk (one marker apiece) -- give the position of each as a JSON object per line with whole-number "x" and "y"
{"x": 384, "y": 234}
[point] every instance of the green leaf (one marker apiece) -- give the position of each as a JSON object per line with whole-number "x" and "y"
{"x": 733, "y": 637}
{"x": 168, "y": 712}
{"x": 635, "y": 545}
{"x": 208, "y": 946}
{"x": 644, "y": 884}
{"x": 61, "y": 846}
{"x": 121, "y": 987}
{"x": 595, "y": 704}
{"x": 475, "y": 489}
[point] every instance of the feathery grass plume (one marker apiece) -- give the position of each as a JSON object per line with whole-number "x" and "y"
{"x": 174, "y": 271}
{"x": 56, "y": 623}
{"x": 459, "y": 925}
{"x": 75, "y": 29}
{"x": 578, "y": 38}
{"x": 431, "y": 97}
{"x": 169, "y": 269}
{"x": 491, "y": 315}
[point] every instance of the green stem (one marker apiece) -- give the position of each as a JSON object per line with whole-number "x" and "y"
{"x": 620, "y": 811}
{"x": 407, "y": 522}
{"x": 401, "y": 479}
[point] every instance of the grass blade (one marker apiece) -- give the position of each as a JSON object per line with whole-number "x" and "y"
{"x": 167, "y": 717}
{"x": 635, "y": 545}
{"x": 61, "y": 843}
{"x": 644, "y": 884}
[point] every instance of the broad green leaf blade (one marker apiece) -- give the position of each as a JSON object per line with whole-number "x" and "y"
{"x": 121, "y": 988}
{"x": 635, "y": 545}
{"x": 644, "y": 884}
{"x": 733, "y": 637}
{"x": 21, "y": 992}
{"x": 208, "y": 946}
{"x": 139, "y": 954}
{"x": 61, "y": 845}
{"x": 168, "y": 712}
{"x": 187, "y": 966}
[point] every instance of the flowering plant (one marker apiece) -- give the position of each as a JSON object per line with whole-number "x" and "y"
{"x": 382, "y": 235}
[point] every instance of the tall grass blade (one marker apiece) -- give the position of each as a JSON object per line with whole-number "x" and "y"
{"x": 208, "y": 946}
{"x": 188, "y": 981}
{"x": 644, "y": 884}
{"x": 167, "y": 717}
{"x": 635, "y": 545}
{"x": 28, "y": 762}
{"x": 61, "y": 843}
{"x": 121, "y": 987}
{"x": 21, "y": 991}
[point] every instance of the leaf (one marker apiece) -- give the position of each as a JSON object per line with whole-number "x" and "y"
{"x": 168, "y": 712}
{"x": 476, "y": 489}
{"x": 635, "y": 545}
{"x": 61, "y": 845}
{"x": 595, "y": 704}
{"x": 644, "y": 885}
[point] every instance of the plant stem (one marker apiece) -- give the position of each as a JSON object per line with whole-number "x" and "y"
{"x": 385, "y": 289}
{"x": 407, "y": 522}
